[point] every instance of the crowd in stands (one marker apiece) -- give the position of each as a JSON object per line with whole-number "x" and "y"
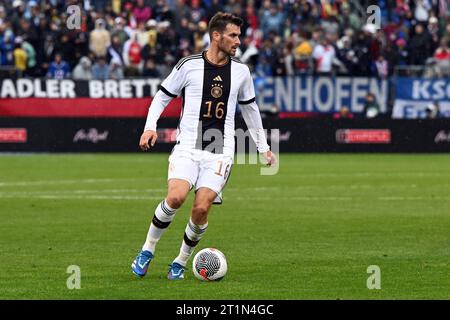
{"x": 132, "y": 38}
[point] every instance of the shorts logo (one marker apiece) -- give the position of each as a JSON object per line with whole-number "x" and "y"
{"x": 216, "y": 90}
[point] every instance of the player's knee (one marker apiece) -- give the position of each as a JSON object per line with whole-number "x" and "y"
{"x": 200, "y": 210}
{"x": 175, "y": 200}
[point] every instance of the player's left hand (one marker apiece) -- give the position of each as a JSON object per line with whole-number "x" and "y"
{"x": 271, "y": 158}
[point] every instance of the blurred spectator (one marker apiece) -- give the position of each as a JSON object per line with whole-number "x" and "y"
{"x": 362, "y": 46}
{"x": 419, "y": 46}
{"x": 324, "y": 54}
{"x": 197, "y": 13}
{"x": 272, "y": 20}
{"x": 266, "y": 58}
{"x": 20, "y": 56}
{"x": 119, "y": 30}
{"x": 201, "y": 37}
{"x": 433, "y": 30}
{"x": 185, "y": 35}
{"x": 181, "y": 11}
{"x": 442, "y": 59}
{"x": 100, "y": 39}
{"x": 27, "y": 31}
{"x": 330, "y": 27}
{"x": 249, "y": 51}
{"x": 371, "y": 106}
{"x": 214, "y": 7}
{"x": 382, "y": 68}
{"x": 251, "y": 17}
{"x": 288, "y": 59}
{"x": 141, "y": 13}
{"x": 401, "y": 53}
{"x": 344, "y": 113}
{"x": 116, "y": 69}
{"x": 422, "y": 10}
{"x": 115, "y": 51}
{"x": 99, "y": 5}
{"x": 432, "y": 110}
{"x": 303, "y": 58}
{"x": 116, "y": 6}
{"x": 347, "y": 55}
{"x": 6, "y": 45}
{"x": 162, "y": 12}
{"x": 150, "y": 69}
{"x": 67, "y": 49}
{"x": 80, "y": 40}
{"x": 83, "y": 70}
{"x": 348, "y": 19}
{"x": 58, "y": 69}
{"x": 132, "y": 56}
{"x": 142, "y": 34}
{"x": 2, "y": 14}
{"x": 153, "y": 46}
{"x": 31, "y": 58}
{"x": 100, "y": 69}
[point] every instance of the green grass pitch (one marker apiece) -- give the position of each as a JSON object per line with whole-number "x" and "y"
{"x": 309, "y": 232}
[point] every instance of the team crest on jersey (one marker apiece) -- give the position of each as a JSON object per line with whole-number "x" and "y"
{"x": 216, "y": 90}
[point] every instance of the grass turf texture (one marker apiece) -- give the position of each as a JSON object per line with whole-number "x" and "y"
{"x": 309, "y": 232}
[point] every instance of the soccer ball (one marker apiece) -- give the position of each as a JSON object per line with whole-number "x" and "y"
{"x": 209, "y": 265}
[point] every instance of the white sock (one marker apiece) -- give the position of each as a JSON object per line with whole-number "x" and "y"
{"x": 192, "y": 235}
{"x": 163, "y": 216}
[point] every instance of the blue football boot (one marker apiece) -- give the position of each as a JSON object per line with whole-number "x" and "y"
{"x": 140, "y": 264}
{"x": 176, "y": 271}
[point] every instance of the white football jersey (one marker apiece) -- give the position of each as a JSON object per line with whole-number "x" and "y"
{"x": 210, "y": 94}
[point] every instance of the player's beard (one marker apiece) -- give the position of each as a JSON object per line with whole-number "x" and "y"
{"x": 223, "y": 48}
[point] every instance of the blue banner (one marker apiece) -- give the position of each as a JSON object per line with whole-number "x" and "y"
{"x": 419, "y": 89}
{"x": 421, "y": 98}
{"x": 319, "y": 94}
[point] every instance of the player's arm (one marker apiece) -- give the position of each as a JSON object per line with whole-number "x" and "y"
{"x": 252, "y": 117}
{"x": 170, "y": 88}
{"x": 159, "y": 103}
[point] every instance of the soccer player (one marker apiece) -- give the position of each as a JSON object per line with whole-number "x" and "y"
{"x": 211, "y": 84}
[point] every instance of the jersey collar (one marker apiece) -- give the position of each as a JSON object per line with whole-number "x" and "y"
{"x": 213, "y": 64}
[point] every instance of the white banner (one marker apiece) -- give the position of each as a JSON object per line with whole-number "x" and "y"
{"x": 412, "y": 109}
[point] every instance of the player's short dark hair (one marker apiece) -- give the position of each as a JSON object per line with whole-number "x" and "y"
{"x": 220, "y": 20}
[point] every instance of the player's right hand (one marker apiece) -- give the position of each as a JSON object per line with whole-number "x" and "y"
{"x": 270, "y": 158}
{"x": 148, "y": 138}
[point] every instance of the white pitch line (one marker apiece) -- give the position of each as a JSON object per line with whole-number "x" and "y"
{"x": 51, "y": 182}
{"x": 58, "y": 182}
{"x": 143, "y": 197}
{"x": 296, "y": 199}
{"x": 146, "y": 194}
{"x": 412, "y": 198}
{"x": 84, "y": 197}
{"x": 95, "y": 197}
{"x": 82, "y": 191}
{"x": 112, "y": 197}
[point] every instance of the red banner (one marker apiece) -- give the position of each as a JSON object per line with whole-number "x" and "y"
{"x": 84, "y": 107}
